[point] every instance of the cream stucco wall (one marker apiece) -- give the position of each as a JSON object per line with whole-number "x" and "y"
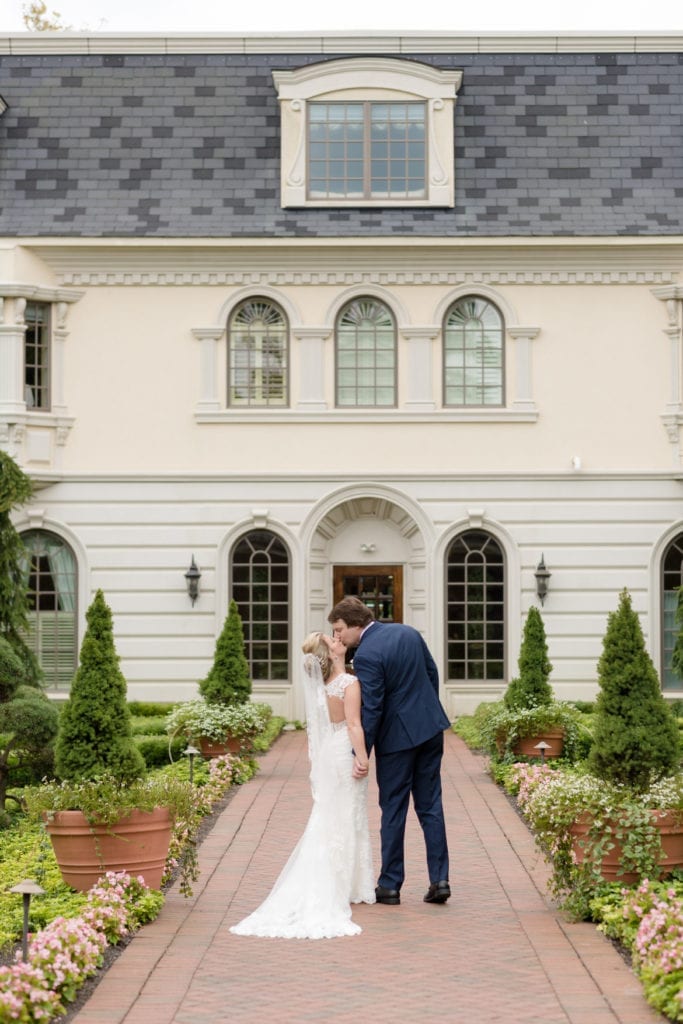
{"x": 146, "y": 467}
{"x": 134, "y": 377}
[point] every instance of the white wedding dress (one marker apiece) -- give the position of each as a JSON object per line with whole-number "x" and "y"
{"x": 331, "y": 865}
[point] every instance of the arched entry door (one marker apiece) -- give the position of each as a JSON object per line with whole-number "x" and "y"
{"x": 380, "y": 587}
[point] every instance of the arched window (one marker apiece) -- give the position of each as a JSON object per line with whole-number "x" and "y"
{"x": 257, "y": 355}
{"x": 52, "y": 634}
{"x": 473, "y": 353}
{"x": 260, "y": 586}
{"x": 475, "y": 607}
{"x": 672, "y": 579}
{"x": 366, "y": 355}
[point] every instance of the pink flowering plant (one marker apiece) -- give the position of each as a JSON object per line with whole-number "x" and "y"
{"x": 214, "y": 783}
{"x": 648, "y": 921}
{"x": 69, "y": 950}
{"x": 25, "y": 995}
{"x": 552, "y": 801}
{"x": 118, "y": 904}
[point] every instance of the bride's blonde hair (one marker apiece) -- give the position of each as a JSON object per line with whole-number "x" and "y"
{"x": 314, "y": 644}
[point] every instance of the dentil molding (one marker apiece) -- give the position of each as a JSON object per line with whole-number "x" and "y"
{"x": 350, "y": 277}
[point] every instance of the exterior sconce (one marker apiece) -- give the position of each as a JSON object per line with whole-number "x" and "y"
{"x": 542, "y": 576}
{"x": 27, "y": 888}
{"x": 192, "y": 578}
{"x": 367, "y": 549}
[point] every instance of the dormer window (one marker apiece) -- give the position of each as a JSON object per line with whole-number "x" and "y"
{"x": 367, "y": 150}
{"x": 367, "y": 132}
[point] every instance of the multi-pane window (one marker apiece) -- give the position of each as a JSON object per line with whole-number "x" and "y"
{"x": 50, "y": 569}
{"x": 37, "y": 356}
{"x": 475, "y": 607}
{"x": 260, "y": 586}
{"x": 367, "y": 150}
{"x": 473, "y": 353}
{"x": 366, "y": 355}
{"x": 257, "y": 355}
{"x": 672, "y": 579}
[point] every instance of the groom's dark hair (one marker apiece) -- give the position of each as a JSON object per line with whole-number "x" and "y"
{"x": 352, "y": 611}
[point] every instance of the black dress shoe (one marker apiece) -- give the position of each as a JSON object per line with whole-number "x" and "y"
{"x": 438, "y": 892}
{"x": 392, "y": 897}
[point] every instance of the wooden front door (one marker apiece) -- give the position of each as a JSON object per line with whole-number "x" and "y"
{"x": 380, "y": 587}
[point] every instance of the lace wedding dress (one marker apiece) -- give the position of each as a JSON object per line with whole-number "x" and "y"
{"x": 331, "y": 865}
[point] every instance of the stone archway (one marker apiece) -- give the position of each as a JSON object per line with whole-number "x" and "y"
{"x": 373, "y": 530}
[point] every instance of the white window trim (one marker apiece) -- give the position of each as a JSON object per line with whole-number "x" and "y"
{"x": 672, "y": 417}
{"x": 368, "y": 78}
{"x": 32, "y": 436}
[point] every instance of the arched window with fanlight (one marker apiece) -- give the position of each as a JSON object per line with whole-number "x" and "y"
{"x": 365, "y": 355}
{"x": 473, "y": 364}
{"x": 475, "y": 607}
{"x": 258, "y": 355}
{"x": 671, "y": 580}
{"x": 51, "y": 573}
{"x": 261, "y": 589}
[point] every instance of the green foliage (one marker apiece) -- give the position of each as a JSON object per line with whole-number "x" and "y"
{"x": 228, "y": 681}
{"x": 271, "y": 730}
{"x": 26, "y": 852}
{"x": 531, "y": 688}
{"x": 146, "y": 725}
{"x": 148, "y": 709}
{"x": 15, "y": 490}
{"x": 94, "y": 727}
{"x": 636, "y": 738}
{"x": 504, "y": 727}
{"x": 28, "y": 721}
{"x": 677, "y": 653}
{"x": 467, "y": 728}
{"x": 107, "y": 799}
{"x": 15, "y": 486}
{"x": 195, "y": 719}
{"x": 155, "y": 749}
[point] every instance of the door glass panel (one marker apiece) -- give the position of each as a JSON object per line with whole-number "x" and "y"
{"x": 380, "y": 587}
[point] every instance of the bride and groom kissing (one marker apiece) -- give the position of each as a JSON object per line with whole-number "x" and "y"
{"x": 390, "y": 705}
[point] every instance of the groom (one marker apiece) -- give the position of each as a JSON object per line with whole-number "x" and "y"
{"x": 404, "y": 721}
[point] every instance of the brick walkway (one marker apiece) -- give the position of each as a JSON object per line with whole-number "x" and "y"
{"x": 497, "y": 952}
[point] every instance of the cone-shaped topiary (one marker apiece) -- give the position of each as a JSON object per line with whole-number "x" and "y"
{"x": 531, "y": 688}
{"x": 95, "y": 729}
{"x": 635, "y": 735}
{"x": 228, "y": 681}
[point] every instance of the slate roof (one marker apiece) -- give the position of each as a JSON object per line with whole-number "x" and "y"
{"x": 168, "y": 145}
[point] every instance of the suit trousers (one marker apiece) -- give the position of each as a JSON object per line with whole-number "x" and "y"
{"x": 415, "y": 771}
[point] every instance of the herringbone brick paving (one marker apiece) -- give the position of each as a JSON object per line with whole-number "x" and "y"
{"x": 497, "y": 952}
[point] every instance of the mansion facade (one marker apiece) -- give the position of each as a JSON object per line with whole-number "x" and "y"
{"x": 284, "y": 318}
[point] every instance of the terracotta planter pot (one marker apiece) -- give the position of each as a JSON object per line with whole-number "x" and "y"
{"x": 137, "y": 844}
{"x": 216, "y": 748}
{"x": 526, "y": 746}
{"x": 670, "y": 824}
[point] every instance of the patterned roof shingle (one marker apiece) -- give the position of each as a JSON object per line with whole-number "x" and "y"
{"x": 174, "y": 145}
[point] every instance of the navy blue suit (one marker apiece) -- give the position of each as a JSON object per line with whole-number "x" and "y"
{"x": 404, "y": 721}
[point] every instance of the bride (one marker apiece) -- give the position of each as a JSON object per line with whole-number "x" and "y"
{"x": 331, "y": 866}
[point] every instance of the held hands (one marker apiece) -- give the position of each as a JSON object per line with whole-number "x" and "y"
{"x": 360, "y": 769}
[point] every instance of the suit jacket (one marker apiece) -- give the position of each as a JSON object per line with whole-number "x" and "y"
{"x": 400, "y": 688}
